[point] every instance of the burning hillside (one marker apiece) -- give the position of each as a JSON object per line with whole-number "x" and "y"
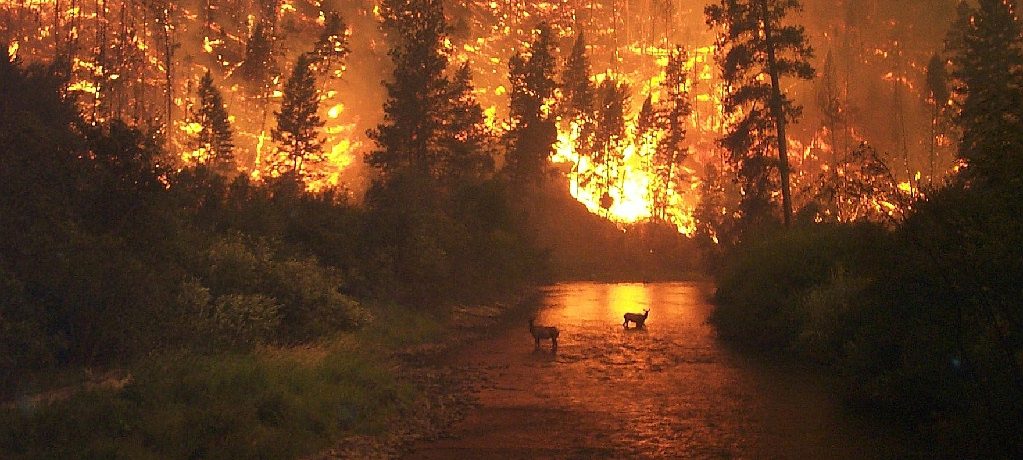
{"x": 143, "y": 62}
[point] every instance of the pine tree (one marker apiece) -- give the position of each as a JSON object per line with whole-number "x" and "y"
{"x": 258, "y": 64}
{"x": 332, "y": 47}
{"x": 578, "y": 100}
{"x": 710, "y": 212}
{"x": 576, "y": 88}
{"x": 215, "y": 138}
{"x": 467, "y": 138}
{"x": 647, "y": 133}
{"x": 298, "y": 123}
{"x": 409, "y": 138}
{"x": 986, "y": 52}
{"x": 533, "y": 131}
{"x": 757, "y": 50}
{"x": 609, "y": 136}
{"x": 671, "y": 151}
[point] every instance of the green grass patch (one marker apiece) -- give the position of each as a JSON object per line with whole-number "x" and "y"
{"x": 260, "y": 405}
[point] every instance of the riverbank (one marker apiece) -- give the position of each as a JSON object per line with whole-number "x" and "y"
{"x": 364, "y": 394}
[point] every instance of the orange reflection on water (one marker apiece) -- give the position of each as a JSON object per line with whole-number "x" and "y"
{"x": 605, "y": 303}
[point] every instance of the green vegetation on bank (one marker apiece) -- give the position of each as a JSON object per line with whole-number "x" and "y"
{"x": 248, "y": 319}
{"x": 921, "y": 322}
{"x": 274, "y": 403}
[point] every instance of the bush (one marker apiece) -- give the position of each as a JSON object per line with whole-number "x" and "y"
{"x": 241, "y": 321}
{"x": 24, "y": 343}
{"x": 311, "y": 304}
{"x": 827, "y": 312}
{"x": 762, "y": 286}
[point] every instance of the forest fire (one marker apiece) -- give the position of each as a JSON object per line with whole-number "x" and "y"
{"x": 232, "y": 228}
{"x": 165, "y": 50}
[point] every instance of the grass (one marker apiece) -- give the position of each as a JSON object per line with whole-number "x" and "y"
{"x": 269, "y": 403}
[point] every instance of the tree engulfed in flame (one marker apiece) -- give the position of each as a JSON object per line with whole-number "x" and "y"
{"x": 140, "y": 62}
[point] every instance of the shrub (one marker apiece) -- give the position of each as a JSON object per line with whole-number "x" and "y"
{"x": 311, "y": 304}
{"x": 241, "y": 321}
{"x": 826, "y": 312}
{"x": 762, "y": 285}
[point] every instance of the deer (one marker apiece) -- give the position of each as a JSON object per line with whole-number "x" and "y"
{"x": 637, "y": 318}
{"x": 543, "y": 333}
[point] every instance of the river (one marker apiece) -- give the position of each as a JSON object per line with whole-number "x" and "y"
{"x": 669, "y": 390}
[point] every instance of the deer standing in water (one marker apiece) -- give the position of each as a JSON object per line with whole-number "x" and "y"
{"x": 636, "y": 318}
{"x": 544, "y": 333}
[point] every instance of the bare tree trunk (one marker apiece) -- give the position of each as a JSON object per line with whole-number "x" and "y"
{"x": 168, "y": 56}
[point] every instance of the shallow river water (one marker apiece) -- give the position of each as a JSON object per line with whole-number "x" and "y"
{"x": 669, "y": 390}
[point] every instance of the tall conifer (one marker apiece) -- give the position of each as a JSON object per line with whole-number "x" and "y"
{"x": 298, "y": 124}
{"x": 216, "y": 134}
{"x": 756, "y": 51}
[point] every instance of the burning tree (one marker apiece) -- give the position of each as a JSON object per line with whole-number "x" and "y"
{"x": 609, "y": 136}
{"x": 578, "y": 102}
{"x": 213, "y": 143}
{"x": 332, "y": 48}
{"x": 859, "y": 187}
{"x": 756, "y": 51}
{"x": 533, "y": 131}
{"x": 298, "y": 123}
{"x": 671, "y": 151}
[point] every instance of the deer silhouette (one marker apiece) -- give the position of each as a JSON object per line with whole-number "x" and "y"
{"x": 543, "y": 333}
{"x": 637, "y": 318}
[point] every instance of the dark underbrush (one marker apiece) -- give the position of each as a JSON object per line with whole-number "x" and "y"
{"x": 922, "y": 323}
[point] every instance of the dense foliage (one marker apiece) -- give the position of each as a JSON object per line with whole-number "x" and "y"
{"x": 108, "y": 255}
{"x": 923, "y": 319}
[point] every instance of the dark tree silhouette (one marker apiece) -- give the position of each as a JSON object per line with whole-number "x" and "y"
{"x": 986, "y": 52}
{"x": 332, "y": 47}
{"x": 467, "y": 140}
{"x": 533, "y": 132}
{"x": 609, "y": 135}
{"x": 215, "y": 138}
{"x": 298, "y": 124}
{"x": 410, "y": 136}
{"x": 257, "y": 66}
{"x": 756, "y": 51}
{"x": 829, "y": 102}
{"x": 671, "y": 151}
{"x": 938, "y": 96}
{"x": 578, "y": 100}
